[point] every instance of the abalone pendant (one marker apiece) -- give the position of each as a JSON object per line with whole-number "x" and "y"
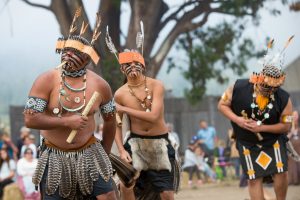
{"x": 62, "y": 92}
{"x": 55, "y": 111}
{"x": 259, "y": 123}
{"x": 77, "y": 99}
{"x": 67, "y": 98}
{"x": 266, "y": 115}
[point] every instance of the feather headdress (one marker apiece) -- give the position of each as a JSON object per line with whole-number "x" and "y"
{"x": 272, "y": 73}
{"x": 131, "y": 55}
{"x": 78, "y": 42}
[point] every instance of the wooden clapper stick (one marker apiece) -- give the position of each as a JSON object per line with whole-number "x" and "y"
{"x": 258, "y": 135}
{"x": 84, "y": 113}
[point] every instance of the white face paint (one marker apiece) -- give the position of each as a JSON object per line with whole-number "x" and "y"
{"x": 133, "y": 69}
{"x": 74, "y": 60}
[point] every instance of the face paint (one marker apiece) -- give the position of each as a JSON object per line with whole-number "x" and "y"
{"x": 132, "y": 69}
{"x": 74, "y": 60}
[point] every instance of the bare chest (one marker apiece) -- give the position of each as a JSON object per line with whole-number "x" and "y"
{"x": 137, "y": 98}
{"x": 71, "y": 97}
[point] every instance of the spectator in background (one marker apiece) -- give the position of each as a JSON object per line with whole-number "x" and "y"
{"x": 207, "y": 137}
{"x": 190, "y": 164}
{"x": 6, "y": 143}
{"x": 25, "y": 170}
{"x": 202, "y": 165}
{"x": 7, "y": 169}
{"x": 234, "y": 153}
{"x": 173, "y": 134}
{"x": 99, "y": 132}
{"x": 29, "y": 142}
{"x": 24, "y": 132}
{"x": 220, "y": 159}
{"x": 293, "y": 166}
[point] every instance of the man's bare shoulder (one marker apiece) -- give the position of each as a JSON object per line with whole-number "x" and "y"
{"x": 43, "y": 84}
{"x": 47, "y": 77}
{"x": 100, "y": 85}
{"x": 155, "y": 83}
{"x": 120, "y": 92}
{"x": 101, "y": 82}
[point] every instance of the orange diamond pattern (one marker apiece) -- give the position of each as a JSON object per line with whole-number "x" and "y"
{"x": 263, "y": 160}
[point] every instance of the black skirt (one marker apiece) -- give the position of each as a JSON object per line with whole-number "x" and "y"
{"x": 263, "y": 162}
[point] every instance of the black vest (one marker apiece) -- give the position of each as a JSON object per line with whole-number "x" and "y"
{"x": 242, "y": 99}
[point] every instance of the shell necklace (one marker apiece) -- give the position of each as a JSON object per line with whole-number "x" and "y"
{"x": 145, "y": 103}
{"x": 258, "y": 111}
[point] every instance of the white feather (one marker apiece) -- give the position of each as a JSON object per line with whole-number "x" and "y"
{"x": 110, "y": 44}
{"x": 142, "y": 28}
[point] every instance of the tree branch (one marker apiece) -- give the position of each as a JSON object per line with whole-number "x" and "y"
{"x": 174, "y": 14}
{"x": 219, "y": 10}
{"x": 181, "y": 27}
{"x": 36, "y": 5}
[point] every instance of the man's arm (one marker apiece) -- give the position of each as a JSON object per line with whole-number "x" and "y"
{"x": 157, "y": 106}
{"x": 224, "y": 107}
{"x": 108, "y": 109}
{"x": 36, "y": 117}
{"x": 119, "y": 135}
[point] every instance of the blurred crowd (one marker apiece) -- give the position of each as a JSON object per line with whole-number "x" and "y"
{"x": 17, "y": 165}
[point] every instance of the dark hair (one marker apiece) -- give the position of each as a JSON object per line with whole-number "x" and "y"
{"x": 28, "y": 149}
{"x": 6, "y": 159}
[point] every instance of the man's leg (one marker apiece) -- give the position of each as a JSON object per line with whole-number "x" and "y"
{"x": 104, "y": 190}
{"x": 126, "y": 193}
{"x": 280, "y": 185}
{"x": 167, "y": 195}
{"x": 255, "y": 188}
{"x": 108, "y": 196}
{"x": 191, "y": 172}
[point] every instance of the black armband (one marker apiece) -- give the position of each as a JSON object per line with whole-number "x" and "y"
{"x": 37, "y": 104}
{"x": 109, "y": 108}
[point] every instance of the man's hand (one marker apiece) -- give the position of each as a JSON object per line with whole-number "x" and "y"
{"x": 120, "y": 108}
{"x": 252, "y": 126}
{"x": 76, "y": 122}
{"x": 241, "y": 122}
{"x": 125, "y": 156}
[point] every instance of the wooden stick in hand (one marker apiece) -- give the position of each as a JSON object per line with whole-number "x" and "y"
{"x": 84, "y": 113}
{"x": 258, "y": 135}
{"x": 118, "y": 119}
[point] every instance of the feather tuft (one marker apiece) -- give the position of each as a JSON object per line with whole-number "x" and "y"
{"x": 83, "y": 28}
{"x": 73, "y": 28}
{"x": 110, "y": 44}
{"x": 97, "y": 32}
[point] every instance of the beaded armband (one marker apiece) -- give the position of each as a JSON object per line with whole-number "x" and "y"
{"x": 109, "y": 108}
{"x": 287, "y": 119}
{"x": 37, "y": 104}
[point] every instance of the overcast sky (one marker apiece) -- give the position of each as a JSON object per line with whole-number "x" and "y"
{"x": 28, "y": 37}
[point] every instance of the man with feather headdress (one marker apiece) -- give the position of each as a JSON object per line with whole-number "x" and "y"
{"x": 80, "y": 169}
{"x": 148, "y": 146}
{"x": 261, "y": 115}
